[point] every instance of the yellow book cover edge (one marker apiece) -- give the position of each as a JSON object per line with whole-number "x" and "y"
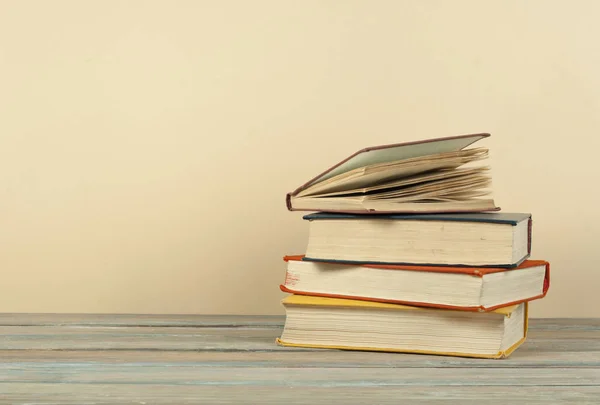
{"x": 307, "y": 300}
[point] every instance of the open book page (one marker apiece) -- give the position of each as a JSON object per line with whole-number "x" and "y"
{"x": 379, "y": 173}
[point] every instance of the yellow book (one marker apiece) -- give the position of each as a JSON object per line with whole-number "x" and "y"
{"x": 332, "y": 323}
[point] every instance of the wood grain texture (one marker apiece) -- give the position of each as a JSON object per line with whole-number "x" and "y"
{"x": 93, "y": 394}
{"x": 256, "y": 338}
{"x": 104, "y": 359}
{"x": 295, "y": 359}
{"x": 8, "y": 319}
{"x": 189, "y": 374}
{"x": 139, "y": 338}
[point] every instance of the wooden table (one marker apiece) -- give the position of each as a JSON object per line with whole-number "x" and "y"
{"x": 128, "y": 359}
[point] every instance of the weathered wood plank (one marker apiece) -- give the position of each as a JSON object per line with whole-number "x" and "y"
{"x": 188, "y": 374}
{"x": 190, "y": 320}
{"x": 93, "y": 394}
{"x": 221, "y": 339}
{"x": 139, "y": 338}
{"x": 565, "y": 323}
{"x": 291, "y": 359}
{"x": 158, "y": 331}
{"x": 10, "y": 319}
{"x": 146, "y": 338}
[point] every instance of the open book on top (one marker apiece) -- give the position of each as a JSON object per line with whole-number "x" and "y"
{"x": 433, "y": 175}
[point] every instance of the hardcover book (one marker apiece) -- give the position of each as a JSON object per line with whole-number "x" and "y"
{"x": 482, "y": 289}
{"x": 433, "y": 175}
{"x": 461, "y": 239}
{"x": 332, "y": 323}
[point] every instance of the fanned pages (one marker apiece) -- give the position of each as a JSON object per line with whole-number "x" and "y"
{"x": 441, "y": 175}
{"x": 425, "y": 176}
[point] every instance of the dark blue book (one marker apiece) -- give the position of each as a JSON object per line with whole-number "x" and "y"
{"x": 467, "y": 239}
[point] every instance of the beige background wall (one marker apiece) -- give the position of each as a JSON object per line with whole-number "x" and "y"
{"x": 146, "y": 146}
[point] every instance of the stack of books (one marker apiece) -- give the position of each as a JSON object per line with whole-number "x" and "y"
{"x": 406, "y": 253}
